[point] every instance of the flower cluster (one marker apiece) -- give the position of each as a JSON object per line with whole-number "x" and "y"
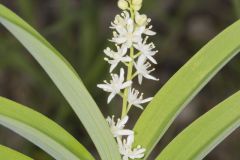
{"x": 125, "y": 145}
{"x": 131, "y": 31}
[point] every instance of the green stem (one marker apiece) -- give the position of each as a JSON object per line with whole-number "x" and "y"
{"x": 137, "y": 55}
{"x": 134, "y": 75}
{"x": 129, "y": 77}
{"x": 128, "y": 107}
{"x": 129, "y": 74}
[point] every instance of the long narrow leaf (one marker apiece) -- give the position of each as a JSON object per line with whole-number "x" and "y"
{"x": 9, "y": 154}
{"x": 41, "y": 131}
{"x": 197, "y": 140}
{"x": 184, "y": 85}
{"x": 66, "y": 80}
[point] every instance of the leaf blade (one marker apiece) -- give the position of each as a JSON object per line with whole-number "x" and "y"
{"x": 184, "y": 85}
{"x": 67, "y": 80}
{"x": 200, "y": 137}
{"x": 41, "y": 131}
{"x": 7, "y": 153}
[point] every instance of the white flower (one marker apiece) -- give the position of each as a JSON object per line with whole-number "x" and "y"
{"x": 122, "y": 4}
{"x": 118, "y": 128}
{"x": 120, "y": 20}
{"x": 128, "y": 35}
{"x": 117, "y": 57}
{"x": 148, "y": 31}
{"x": 143, "y": 21}
{"x": 116, "y": 85}
{"x": 146, "y": 50}
{"x": 134, "y": 99}
{"x": 125, "y": 148}
{"x": 140, "y": 19}
{"x": 142, "y": 70}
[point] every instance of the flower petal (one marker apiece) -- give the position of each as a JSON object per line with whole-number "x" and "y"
{"x": 123, "y": 132}
{"x": 150, "y": 77}
{"x": 113, "y": 66}
{"x": 110, "y": 97}
{"x": 105, "y": 87}
{"x": 130, "y": 140}
{"x": 123, "y": 121}
{"x": 147, "y": 100}
{"x": 126, "y": 84}
{"x": 140, "y": 77}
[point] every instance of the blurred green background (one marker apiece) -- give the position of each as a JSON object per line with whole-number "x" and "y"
{"x": 79, "y": 29}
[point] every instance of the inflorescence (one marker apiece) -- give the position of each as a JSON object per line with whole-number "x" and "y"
{"x": 131, "y": 31}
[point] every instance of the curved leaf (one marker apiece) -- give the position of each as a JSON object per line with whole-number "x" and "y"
{"x": 184, "y": 85}
{"x": 9, "y": 154}
{"x": 41, "y": 131}
{"x": 198, "y": 139}
{"x": 66, "y": 80}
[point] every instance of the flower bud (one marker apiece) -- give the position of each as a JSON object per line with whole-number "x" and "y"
{"x": 136, "y": 2}
{"x": 123, "y": 4}
{"x": 141, "y": 19}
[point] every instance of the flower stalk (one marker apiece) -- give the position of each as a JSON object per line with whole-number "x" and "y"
{"x": 129, "y": 27}
{"x": 129, "y": 77}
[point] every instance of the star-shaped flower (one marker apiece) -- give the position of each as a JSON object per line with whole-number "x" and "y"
{"x": 128, "y": 35}
{"x": 118, "y": 128}
{"x": 143, "y": 21}
{"x": 146, "y": 50}
{"x": 142, "y": 68}
{"x": 116, "y": 85}
{"x": 136, "y": 100}
{"x": 125, "y": 148}
{"x": 120, "y": 20}
{"x": 116, "y": 57}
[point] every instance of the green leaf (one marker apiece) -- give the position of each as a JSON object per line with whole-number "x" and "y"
{"x": 68, "y": 82}
{"x": 184, "y": 85}
{"x": 198, "y": 139}
{"x": 41, "y": 131}
{"x": 9, "y": 154}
